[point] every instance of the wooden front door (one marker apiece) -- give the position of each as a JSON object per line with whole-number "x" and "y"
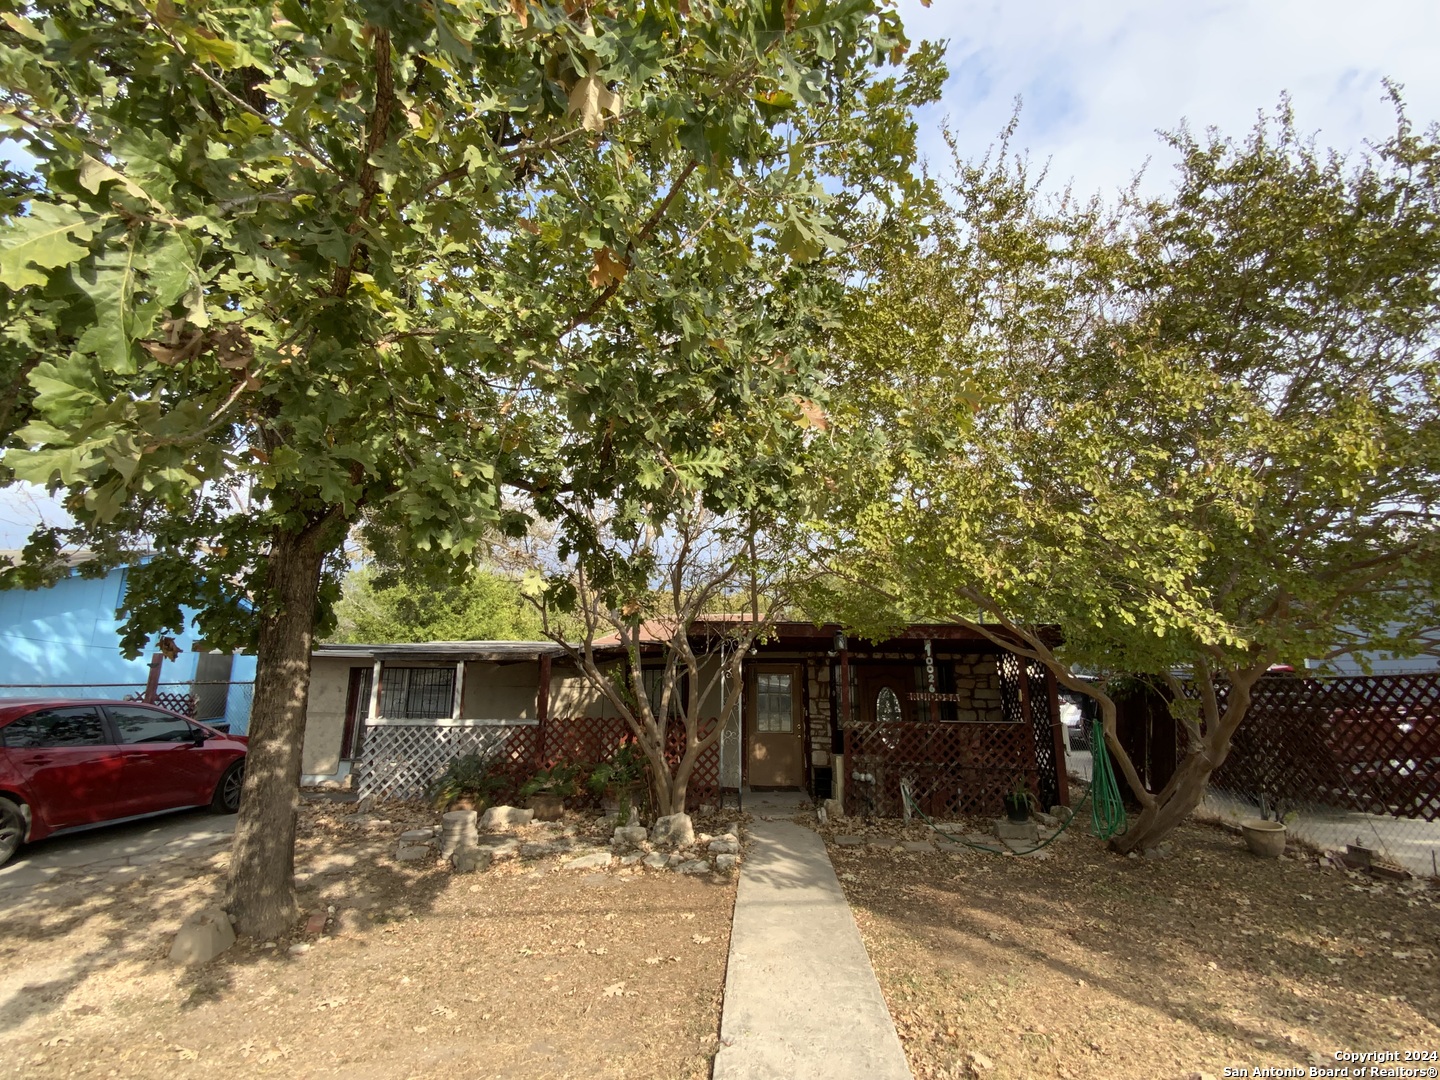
{"x": 775, "y": 739}
{"x": 885, "y": 693}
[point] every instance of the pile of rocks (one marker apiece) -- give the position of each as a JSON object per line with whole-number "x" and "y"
{"x": 470, "y": 842}
{"x": 674, "y": 845}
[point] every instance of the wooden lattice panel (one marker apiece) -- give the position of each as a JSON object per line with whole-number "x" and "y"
{"x": 182, "y": 703}
{"x": 1367, "y": 743}
{"x": 1042, "y": 725}
{"x": 953, "y": 769}
{"x": 400, "y": 761}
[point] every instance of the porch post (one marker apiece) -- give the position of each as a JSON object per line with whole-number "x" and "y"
{"x": 375, "y": 689}
{"x": 542, "y": 709}
{"x": 1027, "y": 716}
{"x": 1062, "y": 774}
{"x": 456, "y": 706}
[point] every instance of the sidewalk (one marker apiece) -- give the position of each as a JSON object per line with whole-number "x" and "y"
{"x": 801, "y": 1000}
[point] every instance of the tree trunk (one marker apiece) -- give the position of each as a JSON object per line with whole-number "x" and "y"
{"x": 1186, "y": 788}
{"x": 261, "y": 892}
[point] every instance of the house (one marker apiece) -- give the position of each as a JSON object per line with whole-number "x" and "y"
{"x": 65, "y": 639}
{"x": 940, "y": 709}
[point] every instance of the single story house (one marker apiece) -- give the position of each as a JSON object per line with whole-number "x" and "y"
{"x": 939, "y": 708}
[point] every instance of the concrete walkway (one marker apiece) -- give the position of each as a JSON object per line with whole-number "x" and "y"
{"x": 801, "y": 1000}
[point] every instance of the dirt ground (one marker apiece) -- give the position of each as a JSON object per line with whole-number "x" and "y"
{"x": 1086, "y": 965}
{"x": 522, "y": 971}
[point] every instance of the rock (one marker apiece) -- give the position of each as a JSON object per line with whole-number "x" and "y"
{"x": 538, "y": 849}
{"x": 1050, "y": 821}
{"x": 822, "y": 817}
{"x": 655, "y": 860}
{"x": 500, "y": 847}
{"x": 693, "y": 866}
{"x": 459, "y": 829}
{"x": 300, "y": 948}
{"x": 1162, "y": 850}
{"x": 706, "y": 809}
{"x": 882, "y": 844}
{"x": 610, "y": 820}
{"x": 918, "y": 847}
{"x": 726, "y": 862}
{"x": 833, "y": 808}
{"x": 1017, "y": 830}
{"x": 726, "y": 846}
{"x": 733, "y": 829}
{"x": 980, "y": 1063}
{"x": 850, "y": 841}
{"x": 1063, "y": 813}
{"x": 594, "y": 861}
{"x": 676, "y": 830}
{"x": 676, "y": 858}
{"x": 417, "y": 836}
{"x": 703, "y": 838}
{"x": 413, "y": 852}
{"x": 202, "y": 937}
{"x": 470, "y": 860}
{"x": 630, "y": 835}
{"x": 498, "y": 817}
{"x": 631, "y": 860}
{"x": 949, "y": 847}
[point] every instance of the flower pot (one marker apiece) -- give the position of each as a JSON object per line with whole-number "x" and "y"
{"x": 1265, "y": 838}
{"x": 1017, "y": 808}
{"x": 547, "y": 807}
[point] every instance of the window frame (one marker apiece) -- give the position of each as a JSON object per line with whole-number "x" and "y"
{"x": 386, "y": 673}
{"x": 107, "y": 733}
{"x": 114, "y": 724}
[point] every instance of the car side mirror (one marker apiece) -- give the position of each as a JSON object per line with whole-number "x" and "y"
{"x": 198, "y": 736}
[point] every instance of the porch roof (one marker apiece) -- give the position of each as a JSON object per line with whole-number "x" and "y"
{"x": 496, "y": 652}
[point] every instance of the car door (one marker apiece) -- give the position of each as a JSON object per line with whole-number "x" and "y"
{"x": 162, "y": 766}
{"x": 67, "y": 762}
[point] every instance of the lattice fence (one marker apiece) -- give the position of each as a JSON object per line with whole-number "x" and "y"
{"x": 400, "y": 761}
{"x": 953, "y": 769}
{"x": 1364, "y": 743}
{"x": 1047, "y": 768}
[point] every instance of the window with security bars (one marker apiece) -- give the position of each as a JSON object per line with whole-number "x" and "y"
{"x": 774, "y": 702}
{"x": 417, "y": 693}
{"x": 655, "y": 688}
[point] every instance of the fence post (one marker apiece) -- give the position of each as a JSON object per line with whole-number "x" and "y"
{"x": 1062, "y": 773}
{"x": 152, "y": 682}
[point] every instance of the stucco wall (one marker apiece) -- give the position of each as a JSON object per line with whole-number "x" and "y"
{"x": 325, "y": 714}
{"x": 500, "y": 691}
{"x": 571, "y": 694}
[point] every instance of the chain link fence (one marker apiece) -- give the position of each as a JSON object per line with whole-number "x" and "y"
{"x": 224, "y": 705}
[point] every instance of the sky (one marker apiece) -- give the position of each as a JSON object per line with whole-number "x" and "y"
{"x": 1098, "y": 79}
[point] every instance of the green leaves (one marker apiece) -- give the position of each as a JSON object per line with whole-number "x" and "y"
{"x": 49, "y": 236}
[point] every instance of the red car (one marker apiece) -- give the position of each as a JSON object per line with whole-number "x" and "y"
{"x": 70, "y": 764}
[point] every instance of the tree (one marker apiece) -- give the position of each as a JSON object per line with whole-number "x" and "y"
{"x": 1201, "y": 433}
{"x": 646, "y": 589}
{"x": 285, "y": 266}
{"x": 485, "y": 606}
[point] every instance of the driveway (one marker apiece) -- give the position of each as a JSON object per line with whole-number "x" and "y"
{"x": 114, "y": 847}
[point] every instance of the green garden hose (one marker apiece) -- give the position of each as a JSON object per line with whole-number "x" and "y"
{"x": 1107, "y": 808}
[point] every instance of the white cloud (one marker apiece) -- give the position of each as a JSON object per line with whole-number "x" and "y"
{"x": 1099, "y": 78}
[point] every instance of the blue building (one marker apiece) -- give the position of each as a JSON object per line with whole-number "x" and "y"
{"x": 64, "y": 640}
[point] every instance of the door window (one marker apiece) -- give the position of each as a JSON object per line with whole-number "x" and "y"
{"x": 71, "y": 726}
{"x": 137, "y": 725}
{"x": 774, "y": 703}
{"x": 887, "y": 707}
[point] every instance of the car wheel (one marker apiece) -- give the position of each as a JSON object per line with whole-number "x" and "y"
{"x": 227, "y": 792}
{"x": 12, "y": 829}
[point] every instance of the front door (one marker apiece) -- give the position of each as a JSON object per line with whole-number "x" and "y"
{"x": 776, "y": 738}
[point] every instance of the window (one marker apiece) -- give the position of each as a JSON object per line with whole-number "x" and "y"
{"x": 417, "y": 693}
{"x": 137, "y": 725}
{"x": 76, "y": 726}
{"x": 887, "y": 707}
{"x": 774, "y": 703}
{"x": 655, "y": 689}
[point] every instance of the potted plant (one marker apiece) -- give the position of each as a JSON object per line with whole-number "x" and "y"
{"x": 1019, "y": 802}
{"x": 619, "y": 781}
{"x": 548, "y": 789}
{"x": 1265, "y": 835}
{"x": 468, "y": 783}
